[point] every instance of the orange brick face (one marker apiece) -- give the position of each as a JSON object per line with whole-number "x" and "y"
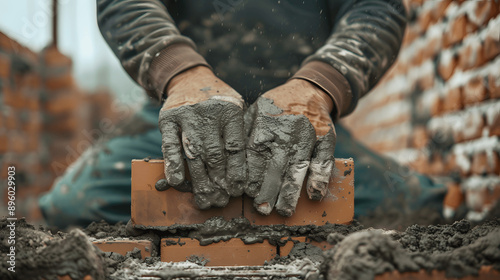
{"x": 224, "y": 253}
{"x": 337, "y": 208}
{"x": 153, "y": 208}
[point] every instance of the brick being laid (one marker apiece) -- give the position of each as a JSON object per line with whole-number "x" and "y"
{"x": 336, "y": 208}
{"x": 155, "y": 209}
{"x": 160, "y": 209}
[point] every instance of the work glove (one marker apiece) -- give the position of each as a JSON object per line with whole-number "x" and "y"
{"x": 202, "y": 119}
{"x": 290, "y": 133}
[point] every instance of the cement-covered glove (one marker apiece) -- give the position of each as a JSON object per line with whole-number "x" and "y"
{"x": 291, "y": 133}
{"x": 202, "y": 118}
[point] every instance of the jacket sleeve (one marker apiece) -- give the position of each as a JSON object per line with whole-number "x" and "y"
{"x": 364, "y": 43}
{"x": 145, "y": 39}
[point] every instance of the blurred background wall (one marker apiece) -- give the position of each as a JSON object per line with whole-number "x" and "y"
{"x": 438, "y": 108}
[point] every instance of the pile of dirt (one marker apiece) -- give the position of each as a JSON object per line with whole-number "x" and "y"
{"x": 40, "y": 254}
{"x": 458, "y": 249}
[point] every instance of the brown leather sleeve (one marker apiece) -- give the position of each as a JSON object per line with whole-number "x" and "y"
{"x": 331, "y": 81}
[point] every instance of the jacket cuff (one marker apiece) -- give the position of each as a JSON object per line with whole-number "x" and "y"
{"x": 331, "y": 81}
{"x": 168, "y": 63}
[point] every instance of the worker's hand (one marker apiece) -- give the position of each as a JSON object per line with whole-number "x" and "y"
{"x": 291, "y": 133}
{"x": 202, "y": 119}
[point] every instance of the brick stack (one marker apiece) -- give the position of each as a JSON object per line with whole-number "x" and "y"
{"x": 438, "y": 108}
{"x": 20, "y": 116}
{"x": 63, "y": 118}
{"x": 43, "y": 115}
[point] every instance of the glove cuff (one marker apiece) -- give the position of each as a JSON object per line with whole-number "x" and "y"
{"x": 331, "y": 81}
{"x": 170, "y": 62}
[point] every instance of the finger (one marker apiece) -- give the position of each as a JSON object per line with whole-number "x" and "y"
{"x": 172, "y": 153}
{"x": 214, "y": 157}
{"x": 205, "y": 194}
{"x": 297, "y": 170}
{"x": 321, "y": 167}
{"x": 268, "y": 194}
{"x": 290, "y": 190}
{"x": 257, "y": 159}
{"x": 234, "y": 143}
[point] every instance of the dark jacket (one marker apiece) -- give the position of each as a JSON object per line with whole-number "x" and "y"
{"x": 342, "y": 46}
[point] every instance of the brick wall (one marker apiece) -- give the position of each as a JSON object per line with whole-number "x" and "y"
{"x": 438, "y": 108}
{"x": 42, "y": 116}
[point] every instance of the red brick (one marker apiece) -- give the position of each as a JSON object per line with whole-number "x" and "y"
{"x": 474, "y": 91}
{"x": 62, "y": 104}
{"x": 456, "y": 31}
{"x": 495, "y": 126}
{"x": 473, "y": 128}
{"x": 484, "y": 11}
{"x": 494, "y": 86}
{"x": 470, "y": 56}
{"x": 3, "y": 142}
{"x": 63, "y": 125}
{"x": 436, "y": 165}
{"x": 4, "y": 66}
{"x": 427, "y": 81}
{"x": 479, "y": 199}
{"x": 453, "y": 100}
{"x": 479, "y": 164}
{"x": 17, "y": 142}
{"x": 439, "y": 10}
{"x": 124, "y": 246}
{"x": 454, "y": 197}
{"x": 224, "y": 253}
{"x": 153, "y": 208}
{"x": 287, "y": 247}
{"x": 65, "y": 81}
{"x": 13, "y": 98}
{"x": 420, "y": 138}
{"x": 445, "y": 71}
{"x": 337, "y": 208}
{"x": 52, "y": 57}
{"x": 425, "y": 19}
{"x": 437, "y": 108}
{"x": 491, "y": 47}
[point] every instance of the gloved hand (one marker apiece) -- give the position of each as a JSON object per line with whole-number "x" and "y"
{"x": 202, "y": 118}
{"x": 291, "y": 133}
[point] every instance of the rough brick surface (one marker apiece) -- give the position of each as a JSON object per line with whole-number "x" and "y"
{"x": 153, "y": 208}
{"x": 224, "y": 253}
{"x": 122, "y": 247}
{"x": 336, "y": 208}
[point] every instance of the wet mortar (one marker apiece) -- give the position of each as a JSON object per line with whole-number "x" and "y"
{"x": 458, "y": 248}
